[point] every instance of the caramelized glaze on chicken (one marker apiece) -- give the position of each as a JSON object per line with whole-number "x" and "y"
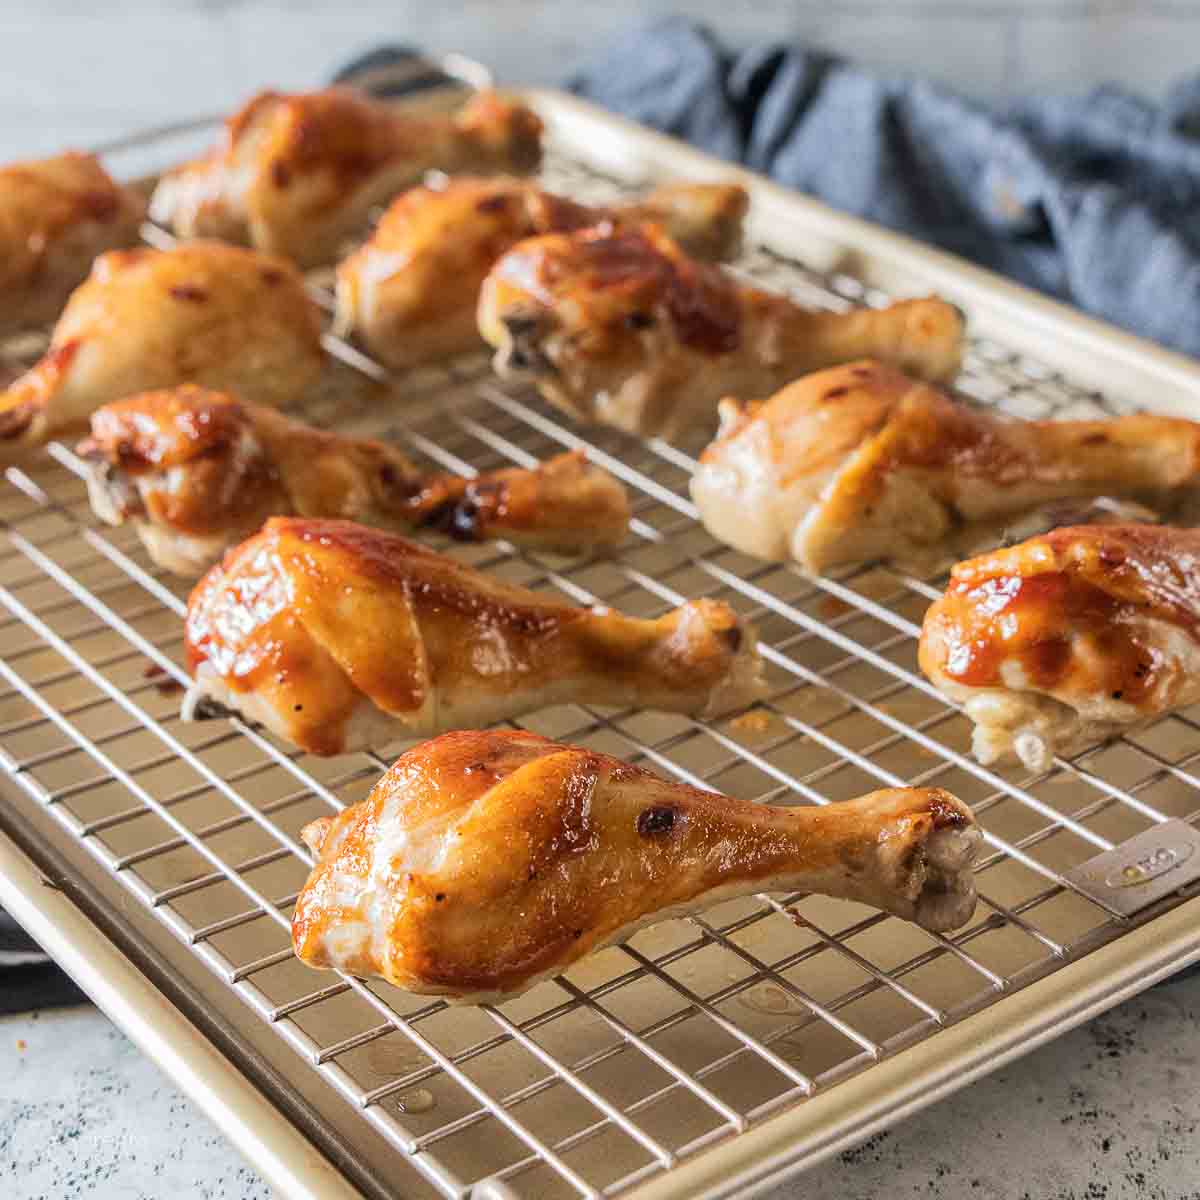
{"x": 1069, "y": 638}
{"x": 205, "y": 313}
{"x": 411, "y": 292}
{"x": 623, "y": 328}
{"x": 298, "y": 174}
{"x": 336, "y": 637}
{"x": 861, "y": 462}
{"x": 56, "y": 215}
{"x": 197, "y": 471}
{"x": 485, "y": 862}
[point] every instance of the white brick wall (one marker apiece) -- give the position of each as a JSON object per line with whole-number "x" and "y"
{"x": 74, "y": 71}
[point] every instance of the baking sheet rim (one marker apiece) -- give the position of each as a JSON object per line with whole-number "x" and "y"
{"x": 936, "y": 1067}
{"x": 833, "y": 1120}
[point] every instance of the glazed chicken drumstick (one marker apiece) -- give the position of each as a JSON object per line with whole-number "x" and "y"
{"x": 621, "y": 327}
{"x": 56, "y": 215}
{"x": 337, "y": 637}
{"x": 411, "y": 291}
{"x": 203, "y": 312}
{"x": 298, "y": 174}
{"x": 197, "y": 471}
{"x": 1069, "y": 638}
{"x": 861, "y": 462}
{"x": 484, "y": 862}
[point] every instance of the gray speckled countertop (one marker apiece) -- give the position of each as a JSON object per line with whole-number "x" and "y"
{"x": 1107, "y": 1112}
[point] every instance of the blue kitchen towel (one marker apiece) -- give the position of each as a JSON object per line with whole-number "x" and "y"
{"x": 1094, "y": 199}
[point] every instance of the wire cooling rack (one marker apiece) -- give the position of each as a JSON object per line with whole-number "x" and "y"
{"x": 692, "y": 1032}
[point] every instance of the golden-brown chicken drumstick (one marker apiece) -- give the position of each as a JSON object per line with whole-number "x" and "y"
{"x": 622, "y": 327}
{"x": 411, "y": 291}
{"x": 485, "y": 862}
{"x": 861, "y": 462}
{"x": 56, "y": 215}
{"x": 197, "y": 471}
{"x": 203, "y": 312}
{"x": 336, "y": 636}
{"x": 1069, "y": 638}
{"x": 298, "y": 174}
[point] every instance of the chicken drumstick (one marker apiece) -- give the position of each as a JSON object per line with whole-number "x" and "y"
{"x": 298, "y": 174}
{"x": 56, "y": 215}
{"x": 411, "y": 291}
{"x": 485, "y": 862}
{"x": 203, "y": 313}
{"x": 197, "y": 471}
{"x": 1069, "y": 638}
{"x": 621, "y": 327}
{"x": 861, "y": 462}
{"x": 336, "y": 636}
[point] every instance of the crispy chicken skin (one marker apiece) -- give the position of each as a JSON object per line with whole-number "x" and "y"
{"x": 56, "y": 215}
{"x": 862, "y": 462}
{"x": 336, "y": 637}
{"x": 411, "y": 292}
{"x": 484, "y": 862}
{"x": 197, "y": 471}
{"x": 623, "y": 328}
{"x": 1069, "y": 638}
{"x": 298, "y": 174}
{"x": 207, "y": 313}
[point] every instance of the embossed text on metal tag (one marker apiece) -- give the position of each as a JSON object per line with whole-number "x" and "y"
{"x": 1142, "y": 870}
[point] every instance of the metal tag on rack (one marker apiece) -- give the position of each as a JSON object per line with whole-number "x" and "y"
{"x": 1135, "y": 874}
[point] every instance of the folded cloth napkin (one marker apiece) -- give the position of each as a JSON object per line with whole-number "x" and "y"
{"x": 1094, "y": 198}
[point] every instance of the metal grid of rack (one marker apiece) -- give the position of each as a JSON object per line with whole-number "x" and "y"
{"x": 692, "y": 1031}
